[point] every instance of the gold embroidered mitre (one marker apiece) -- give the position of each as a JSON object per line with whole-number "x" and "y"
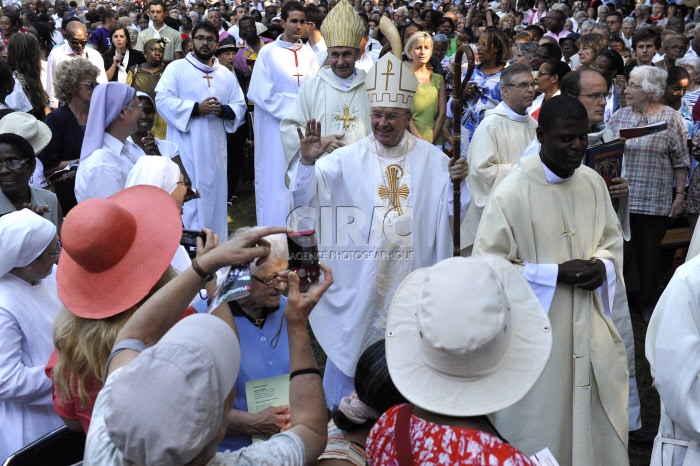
{"x": 390, "y": 83}
{"x": 343, "y": 27}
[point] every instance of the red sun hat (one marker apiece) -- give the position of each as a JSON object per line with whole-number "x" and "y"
{"x": 116, "y": 249}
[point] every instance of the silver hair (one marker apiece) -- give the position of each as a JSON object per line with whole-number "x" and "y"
{"x": 589, "y": 23}
{"x": 629, "y": 21}
{"x": 278, "y": 246}
{"x": 693, "y": 62}
{"x": 652, "y": 80}
{"x": 561, "y": 7}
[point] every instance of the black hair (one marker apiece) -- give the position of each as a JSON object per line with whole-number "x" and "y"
{"x": 156, "y": 3}
{"x": 646, "y": 34}
{"x": 536, "y": 32}
{"x": 675, "y": 74}
{"x": 313, "y": 15}
{"x": 560, "y": 107}
{"x": 207, "y": 26}
{"x": 173, "y": 23}
{"x": 290, "y": 6}
{"x": 615, "y": 59}
{"x": 553, "y": 50}
{"x": 25, "y": 149}
{"x": 373, "y": 385}
{"x": 557, "y": 67}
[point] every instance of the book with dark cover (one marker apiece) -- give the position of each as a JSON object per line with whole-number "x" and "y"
{"x": 629, "y": 133}
{"x": 606, "y": 159}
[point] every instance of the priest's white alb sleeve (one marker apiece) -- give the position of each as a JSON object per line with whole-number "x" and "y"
{"x": 606, "y": 291}
{"x": 303, "y": 184}
{"x": 543, "y": 281}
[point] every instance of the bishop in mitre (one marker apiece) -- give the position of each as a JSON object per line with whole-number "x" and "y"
{"x": 336, "y": 95}
{"x": 381, "y": 207}
{"x": 553, "y": 219}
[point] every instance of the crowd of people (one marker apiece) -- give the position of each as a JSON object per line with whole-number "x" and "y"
{"x": 123, "y": 123}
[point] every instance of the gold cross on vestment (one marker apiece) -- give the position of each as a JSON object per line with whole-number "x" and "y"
{"x": 394, "y": 192}
{"x": 345, "y": 117}
{"x": 208, "y": 78}
{"x": 567, "y": 231}
{"x": 388, "y": 73}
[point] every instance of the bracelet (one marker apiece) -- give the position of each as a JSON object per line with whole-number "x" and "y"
{"x": 201, "y": 273}
{"x": 311, "y": 370}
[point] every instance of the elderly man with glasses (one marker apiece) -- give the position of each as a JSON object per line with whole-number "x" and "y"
{"x": 499, "y": 142}
{"x": 74, "y": 47}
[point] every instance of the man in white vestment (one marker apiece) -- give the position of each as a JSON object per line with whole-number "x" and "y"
{"x": 498, "y": 143}
{"x": 382, "y": 207}
{"x": 280, "y": 70}
{"x": 553, "y": 219}
{"x": 201, "y": 101}
{"x": 673, "y": 339}
{"x": 336, "y": 96}
{"x": 313, "y": 33}
{"x": 74, "y": 47}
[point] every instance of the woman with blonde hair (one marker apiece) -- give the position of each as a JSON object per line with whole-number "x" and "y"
{"x": 101, "y": 291}
{"x": 429, "y": 103}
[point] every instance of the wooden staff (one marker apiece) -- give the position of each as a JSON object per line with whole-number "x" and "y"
{"x": 457, "y": 132}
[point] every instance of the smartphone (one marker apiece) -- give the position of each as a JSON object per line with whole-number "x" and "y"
{"x": 189, "y": 241}
{"x": 303, "y": 254}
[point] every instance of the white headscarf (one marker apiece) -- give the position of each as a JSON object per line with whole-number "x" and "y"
{"x": 155, "y": 171}
{"x": 24, "y": 235}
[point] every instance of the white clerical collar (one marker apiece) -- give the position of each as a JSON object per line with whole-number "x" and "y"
{"x": 512, "y": 115}
{"x": 345, "y": 83}
{"x": 552, "y": 178}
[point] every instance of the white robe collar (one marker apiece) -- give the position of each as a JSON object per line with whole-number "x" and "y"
{"x": 505, "y": 110}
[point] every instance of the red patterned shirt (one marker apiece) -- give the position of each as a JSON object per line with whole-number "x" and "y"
{"x": 438, "y": 444}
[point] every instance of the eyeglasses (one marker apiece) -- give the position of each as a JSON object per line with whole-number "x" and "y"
{"x": 390, "y": 117}
{"x": 207, "y": 39}
{"x": 271, "y": 283}
{"x": 611, "y": 22}
{"x": 13, "y": 164}
{"x": 677, "y": 48}
{"x": 597, "y": 95}
{"x": 634, "y": 86}
{"x": 59, "y": 247}
{"x": 92, "y": 85}
{"x": 522, "y": 86}
{"x": 681, "y": 91}
{"x": 132, "y": 106}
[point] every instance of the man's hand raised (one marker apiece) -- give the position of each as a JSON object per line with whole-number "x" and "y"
{"x": 312, "y": 146}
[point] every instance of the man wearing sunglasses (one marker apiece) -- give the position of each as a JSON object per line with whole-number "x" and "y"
{"x": 74, "y": 47}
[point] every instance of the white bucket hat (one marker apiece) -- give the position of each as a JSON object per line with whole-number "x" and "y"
{"x": 466, "y": 337}
{"x": 36, "y": 132}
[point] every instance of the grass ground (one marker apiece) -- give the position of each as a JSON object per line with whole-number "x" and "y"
{"x": 242, "y": 213}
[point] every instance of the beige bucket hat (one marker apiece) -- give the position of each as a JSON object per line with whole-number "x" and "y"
{"x": 466, "y": 337}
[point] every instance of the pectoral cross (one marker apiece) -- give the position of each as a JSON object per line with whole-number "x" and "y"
{"x": 297, "y": 76}
{"x": 345, "y": 117}
{"x": 388, "y": 73}
{"x": 208, "y": 78}
{"x": 394, "y": 192}
{"x": 568, "y": 232}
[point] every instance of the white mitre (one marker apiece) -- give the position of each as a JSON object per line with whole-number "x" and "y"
{"x": 343, "y": 27}
{"x": 390, "y": 83}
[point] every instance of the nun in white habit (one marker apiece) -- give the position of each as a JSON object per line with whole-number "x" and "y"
{"x": 29, "y": 304}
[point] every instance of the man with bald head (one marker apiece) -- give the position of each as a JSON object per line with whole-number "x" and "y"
{"x": 74, "y": 47}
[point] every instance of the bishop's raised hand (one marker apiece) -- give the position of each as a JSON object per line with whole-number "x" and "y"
{"x": 311, "y": 145}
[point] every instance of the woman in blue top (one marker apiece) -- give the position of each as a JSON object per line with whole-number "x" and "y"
{"x": 483, "y": 91}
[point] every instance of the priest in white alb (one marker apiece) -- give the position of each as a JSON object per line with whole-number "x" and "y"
{"x": 336, "y": 96}
{"x": 672, "y": 348}
{"x": 280, "y": 69}
{"x": 553, "y": 219}
{"x": 498, "y": 143}
{"x": 381, "y": 208}
{"x": 201, "y": 101}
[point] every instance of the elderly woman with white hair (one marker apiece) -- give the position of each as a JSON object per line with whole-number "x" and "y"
{"x": 29, "y": 249}
{"x": 262, "y": 331}
{"x": 652, "y": 163}
{"x": 692, "y": 66}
